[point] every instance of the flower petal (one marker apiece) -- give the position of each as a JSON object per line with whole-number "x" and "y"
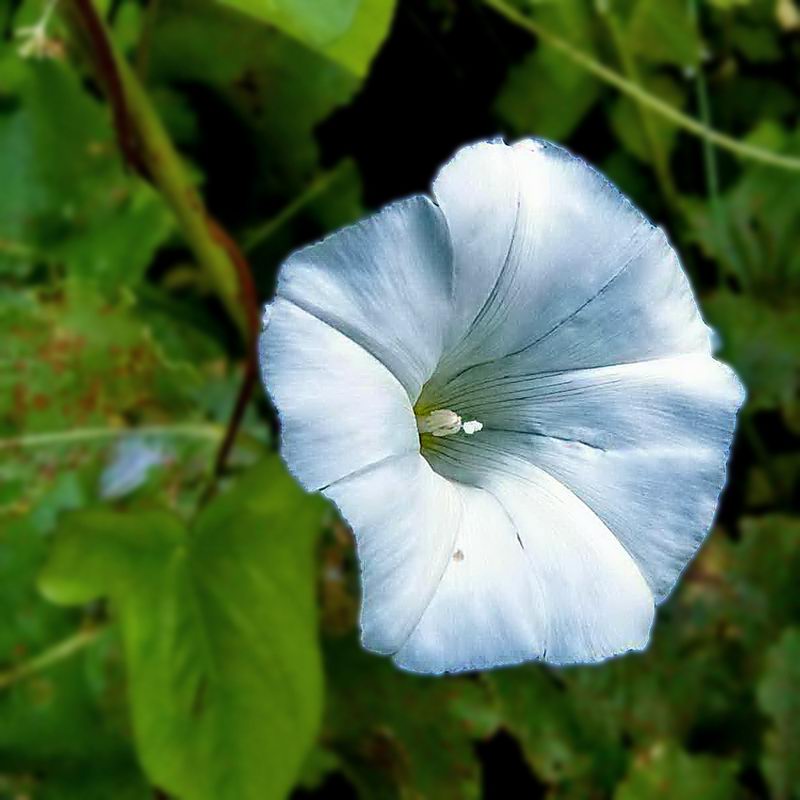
{"x": 404, "y": 517}
{"x": 539, "y": 237}
{"x": 644, "y": 445}
{"x": 384, "y": 282}
{"x": 537, "y": 575}
{"x": 340, "y": 409}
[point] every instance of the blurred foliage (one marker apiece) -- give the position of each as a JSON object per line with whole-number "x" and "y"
{"x": 157, "y": 643}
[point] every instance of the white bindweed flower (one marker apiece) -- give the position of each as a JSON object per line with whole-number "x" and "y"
{"x": 510, "y": 395}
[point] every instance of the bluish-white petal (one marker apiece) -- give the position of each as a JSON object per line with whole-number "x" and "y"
{"x": 340, "y": 409}
{"x": 644, "y": 445}
{"x": 489, "y": 607}
{"x": 549, "y": 255}
{"x": 384, "y": 282}
{"x": 405, "y": 518}
{"x": 538, "y": 574}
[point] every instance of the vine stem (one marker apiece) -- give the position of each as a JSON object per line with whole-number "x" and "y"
{"x": 53, "y": 655}
{"x": 207, "y": 432}
{"x": 317, "y": 187}
{"x": 147, "y": 148}
{"x": 740, "y": 149}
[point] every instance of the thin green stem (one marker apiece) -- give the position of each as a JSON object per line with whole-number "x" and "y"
{"x": 53, "y": 655}
{"x": 317, "y": 187}
{"x": 169, "y": 175}
{"x": 641, "y": 95}
{"x": 207, "y": 432}
{"x": 711, "y": 171}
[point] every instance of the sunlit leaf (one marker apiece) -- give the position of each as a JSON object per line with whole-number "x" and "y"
{"x": 307, "y": 20}
{"x": 219, "y": 627}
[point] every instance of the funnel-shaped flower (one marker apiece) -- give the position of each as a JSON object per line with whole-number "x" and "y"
{"x": 510, "y": 395}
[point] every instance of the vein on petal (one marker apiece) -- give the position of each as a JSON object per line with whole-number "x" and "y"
{"x": 350, "y": 332}
{"x": 619, "y": 272}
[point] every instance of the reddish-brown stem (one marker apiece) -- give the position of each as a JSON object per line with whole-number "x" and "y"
{"x": 91, "y": 28}
{"x": 105, "y": 68}
{"x": 249, "y": 300}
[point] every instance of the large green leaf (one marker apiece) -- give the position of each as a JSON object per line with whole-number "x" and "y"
{"x": 309, "y": 21}
{"x": 779, "y": 698}
{"x": 547, "y": 94}
{"x": 219, "y": 627}
{"x": 664, "y": 32}
{"x": 356, "y": 49}
{"x": 275, "y": 89}
{"x": 348, "y": 32}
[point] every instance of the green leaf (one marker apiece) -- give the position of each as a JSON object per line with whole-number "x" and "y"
{"x": 356, "y": 49}
{"x": 66, "y": 198}
{"x": 547, "y": 94}
{"x": 63, "y": 730}
{"x": 757, "y": 246}
{"x": 766, "y": 562}
{"x": 761, "y": 340}
{"x": 664, "y": 32}
{"x": 779, "y": 698}
{"x": 219, "y": 628}
{"x": 665, "y": 772}
{"x": 274, "y": 90}
{"x": 77, "y": 364}
{"x": 398, "y": 734}
{"x": 309, "y": 21}
{"x": 558, "y": 738}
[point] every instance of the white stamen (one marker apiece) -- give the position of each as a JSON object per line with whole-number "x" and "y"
{"x": 444, "y": 422}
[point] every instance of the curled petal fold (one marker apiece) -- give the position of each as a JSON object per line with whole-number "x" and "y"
{"x": 405, "y": 518}
{"x": 340, "y": 409}
{"x": 384, "y": 282}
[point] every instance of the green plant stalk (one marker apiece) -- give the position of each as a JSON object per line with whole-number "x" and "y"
{"x": 170, "y": 177}
{"x": 203, "y": 432}
{"x": 740, "y": 149}
{"x": 316, "y": 188}
{"x": 711, "y": 173}
{"x": 143, "y": 135}
{"x": 53, "y": 655}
